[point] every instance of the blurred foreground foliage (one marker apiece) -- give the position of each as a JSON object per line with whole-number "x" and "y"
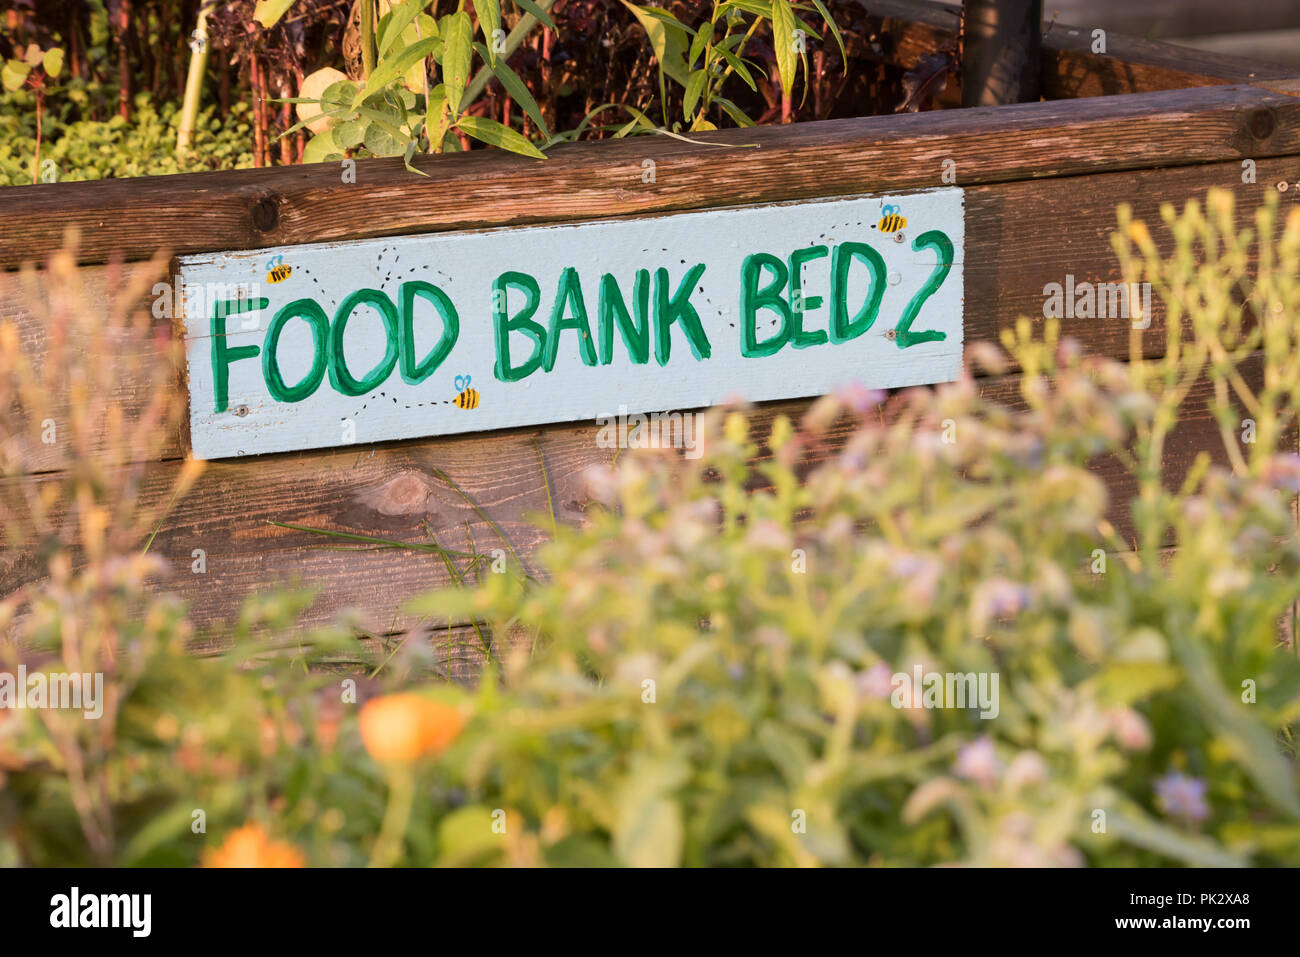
{"x": 703, "y": 673}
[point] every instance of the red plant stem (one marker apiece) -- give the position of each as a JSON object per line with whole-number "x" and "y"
{"x": 40, "y": 103}
{"x": 123, "y": 60}
{"x": 819, "y": 71}
{"x": 548, "y": 103}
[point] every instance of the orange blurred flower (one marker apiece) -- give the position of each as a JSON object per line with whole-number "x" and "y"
{"x": 250, "y": 846}
{"x": 401, "y": 728}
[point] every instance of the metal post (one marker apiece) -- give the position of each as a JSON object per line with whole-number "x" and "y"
{"x": 1000, "y": 52}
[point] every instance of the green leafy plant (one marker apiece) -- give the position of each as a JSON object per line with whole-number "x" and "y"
{"x": 82, "y": 149}
{"x": 703, "y": 58}
{"x": 397, "y": 110}
{"x": 35, "y": 69}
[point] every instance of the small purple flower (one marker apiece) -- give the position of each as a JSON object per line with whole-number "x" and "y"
{"x": 997, "y": 598}
{"x": 1283, "y": 472}
{"x": 978, "y": 762}
{"x": 875, "y": 682}
{"x": 1178, "y": 795}
{"x": 861, "y": 399}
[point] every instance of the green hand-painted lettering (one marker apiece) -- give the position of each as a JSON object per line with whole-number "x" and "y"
{"x": 340, "y": 377}
{"x": 569, "y": 294}
{"x": 678, "y": 308}
{"x": 636, "y": 336}
{"x": 799, "y": 303}
{"x": 753, "y": 298}
{"x": 504, "y": 324}
{"x": 414, "y": 373}
{"x": 310, "y": 310}
{"x": 842, "y": 328}
{"x": 224, "y": 354}
{"x": 943, "y": 246}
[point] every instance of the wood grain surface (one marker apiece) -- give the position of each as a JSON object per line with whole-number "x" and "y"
{"x": 243, "y": 209}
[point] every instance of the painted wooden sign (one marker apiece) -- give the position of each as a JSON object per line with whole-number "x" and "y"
{"x": 359, "y": 342}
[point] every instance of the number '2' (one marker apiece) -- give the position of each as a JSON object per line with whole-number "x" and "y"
{"x": 903, "y": 334}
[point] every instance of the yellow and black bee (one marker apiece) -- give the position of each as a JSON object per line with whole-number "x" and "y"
{"x": 893, "y": 220}
{"x": 277, "y": 270}
{"x": 466, "y": 398}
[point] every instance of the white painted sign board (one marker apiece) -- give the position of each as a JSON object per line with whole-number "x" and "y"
{"x": 359, "y": 342}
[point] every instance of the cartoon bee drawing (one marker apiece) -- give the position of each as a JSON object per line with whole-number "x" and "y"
{"x": 277, "y": 270}
{"x": 466, "y": 398}
{"x": 893, "y": 219}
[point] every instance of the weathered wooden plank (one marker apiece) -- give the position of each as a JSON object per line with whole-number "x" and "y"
{"x": 1132, "y": 65}
{"x": 397, "y": 492}
{"x": 907, "y": 30}
{"x": 245, "y": 209}
{"x": 1170, "y": 18}
{"x": 1020, "y": 236}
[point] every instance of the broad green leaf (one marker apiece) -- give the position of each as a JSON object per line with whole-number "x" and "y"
{"x": 737, "y": 66}
{"x": 320, "y": 148}
{"x": 14, "y": 74}
{"x": 269, "y": 12}
{"x": 381, "y": 141}
{"x": 33, "y": 56}
{"x": 391, "y": 67}
{"x": 435, "y": 121}
{"x": 489, "y": 19}
{"x": 760, "y": 8}
{"x": 416, "y": 78}
{"x": 386, "y": 121}
{"x": 456, "y": 57}
{"x": 394, "y": 23}
{"x": 667, "y": 39}
{"x": 492, "y": 132}
{"x": 694, "y": 87}
{"x": 338, "y": 96}
{"x": 732, "y": 110}
{"x": 529, "y": 7}
{"x": 517, "y": 89}
{"x": 53, "y": 62}
{"x": 350, "y": 134}
{"x": 702, "y": 37}
{"x": 783, "y": 43}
